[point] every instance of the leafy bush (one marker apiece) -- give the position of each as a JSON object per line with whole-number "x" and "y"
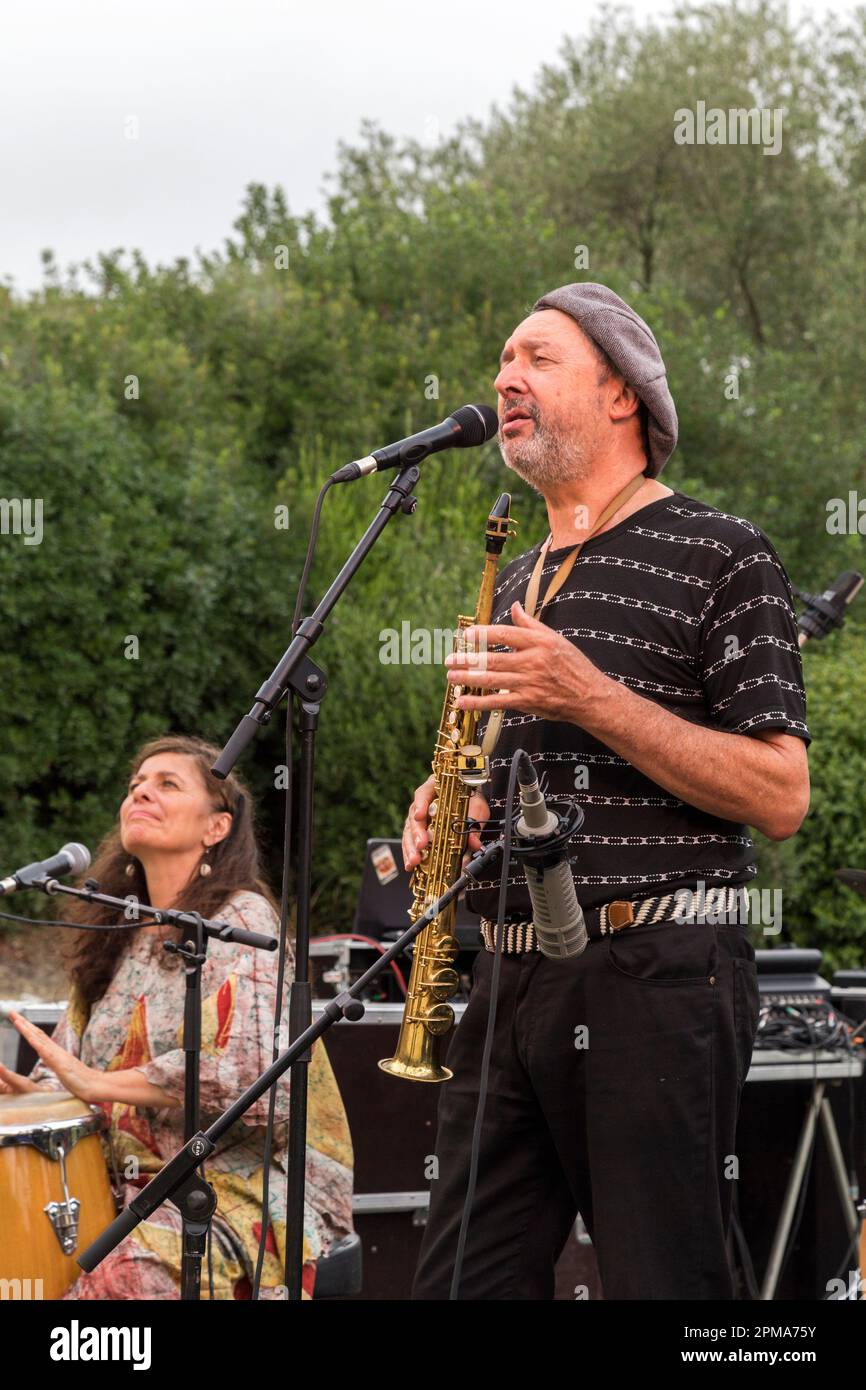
{"x": 818, "y": 910}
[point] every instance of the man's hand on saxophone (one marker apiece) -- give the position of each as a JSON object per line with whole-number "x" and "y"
{"x": 416, "y": 831}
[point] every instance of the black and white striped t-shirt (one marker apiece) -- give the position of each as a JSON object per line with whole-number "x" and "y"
{"x": 692, "y": 609}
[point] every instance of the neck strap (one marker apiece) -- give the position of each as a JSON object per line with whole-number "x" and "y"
{"x": 530, "y": 602}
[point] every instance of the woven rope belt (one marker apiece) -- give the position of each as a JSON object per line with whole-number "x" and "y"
{"x": 682, "y": 906}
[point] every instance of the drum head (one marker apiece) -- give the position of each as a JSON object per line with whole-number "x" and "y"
{"x": 40, "y": 1107}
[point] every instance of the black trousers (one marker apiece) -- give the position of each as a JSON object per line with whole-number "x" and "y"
{"x": 615, "y": 1083}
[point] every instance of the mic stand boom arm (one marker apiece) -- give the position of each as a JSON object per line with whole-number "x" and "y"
{"x": 133, "y": 909}
{"x": 311, "y": 681}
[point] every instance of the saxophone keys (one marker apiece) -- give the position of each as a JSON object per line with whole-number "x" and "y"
{"x": 445, "y": 946}
{"x": 438, "y": 1019}
{"x": 443, "y": 984}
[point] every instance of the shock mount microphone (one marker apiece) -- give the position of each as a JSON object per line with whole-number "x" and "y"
{"x": 542, "y": 844}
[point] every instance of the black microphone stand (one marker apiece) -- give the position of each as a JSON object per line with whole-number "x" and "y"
{"x": 196, "y": 1201}
{"x": 296, "y": 672}
{"x": 178, "y": 1178}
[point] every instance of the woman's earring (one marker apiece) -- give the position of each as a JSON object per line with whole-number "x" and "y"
{"x": 204, "y": 867}
{"x": 130, "y": 869}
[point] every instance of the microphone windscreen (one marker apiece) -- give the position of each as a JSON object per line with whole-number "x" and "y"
{"x": 79, "y": 857}
{"x": 478, "y": 424}
{"x": 846, "y": 588}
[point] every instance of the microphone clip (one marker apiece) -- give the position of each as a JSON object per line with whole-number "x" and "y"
{"x": 535, "y": 849}
{"x": 542, "y": 850}
{"x": 819, "y": 617}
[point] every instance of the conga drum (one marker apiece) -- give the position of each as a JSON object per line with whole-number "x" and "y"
{"x": 55, "y": 1196}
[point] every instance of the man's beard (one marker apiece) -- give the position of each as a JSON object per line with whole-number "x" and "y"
{"x": 549, "y": 455}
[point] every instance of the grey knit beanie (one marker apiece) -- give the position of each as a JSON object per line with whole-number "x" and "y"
{"x": 632, "y": 348}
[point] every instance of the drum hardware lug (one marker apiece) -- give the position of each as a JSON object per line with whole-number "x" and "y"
{"x": 64, "y": 1215}
{"x": 59, "y": 1186}
{"x": 47, "y": 1138}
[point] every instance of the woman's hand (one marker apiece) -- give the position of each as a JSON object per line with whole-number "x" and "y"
{"x": 127, "y": 1087}
{"x": 70, "y": 1071}
{"x": 12, "y": 1083}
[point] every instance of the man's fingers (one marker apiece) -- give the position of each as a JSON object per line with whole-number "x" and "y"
{"x": 422, "y": 798}
{"x": 501, "y": 700}
{"x": 408, "y": 841}
{"x": 463, "y": 675}
{"x": 409, "y": 848}
{"x": 502, "y": 635}
{"x": 479, "y": 807}
{"x": 415, "y": 832}
{"x": 481, "y": 661}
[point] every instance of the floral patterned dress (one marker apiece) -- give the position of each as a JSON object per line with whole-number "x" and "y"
{"x": 139, "y": 1023}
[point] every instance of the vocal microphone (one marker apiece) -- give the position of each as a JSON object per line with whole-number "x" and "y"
{"x": 468, "y": 426}
{"x": 71, "y": 859}
{"x": 826, "y": 611}
{"x": 556, "y": 914}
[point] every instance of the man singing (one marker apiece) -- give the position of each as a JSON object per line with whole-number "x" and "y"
{"x": 645, "y": 656}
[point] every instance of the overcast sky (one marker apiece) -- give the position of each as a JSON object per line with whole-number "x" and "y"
{"x": 225, "y": 94}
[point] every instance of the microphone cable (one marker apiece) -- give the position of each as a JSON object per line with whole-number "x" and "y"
{"x": 74, "y": 926}
{"x": 484, "y": 1074}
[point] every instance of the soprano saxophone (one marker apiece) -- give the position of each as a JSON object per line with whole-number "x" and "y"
{"x": 458, "y": 767}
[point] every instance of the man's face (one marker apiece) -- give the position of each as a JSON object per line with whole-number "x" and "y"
{"x": 548, "y": 382}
